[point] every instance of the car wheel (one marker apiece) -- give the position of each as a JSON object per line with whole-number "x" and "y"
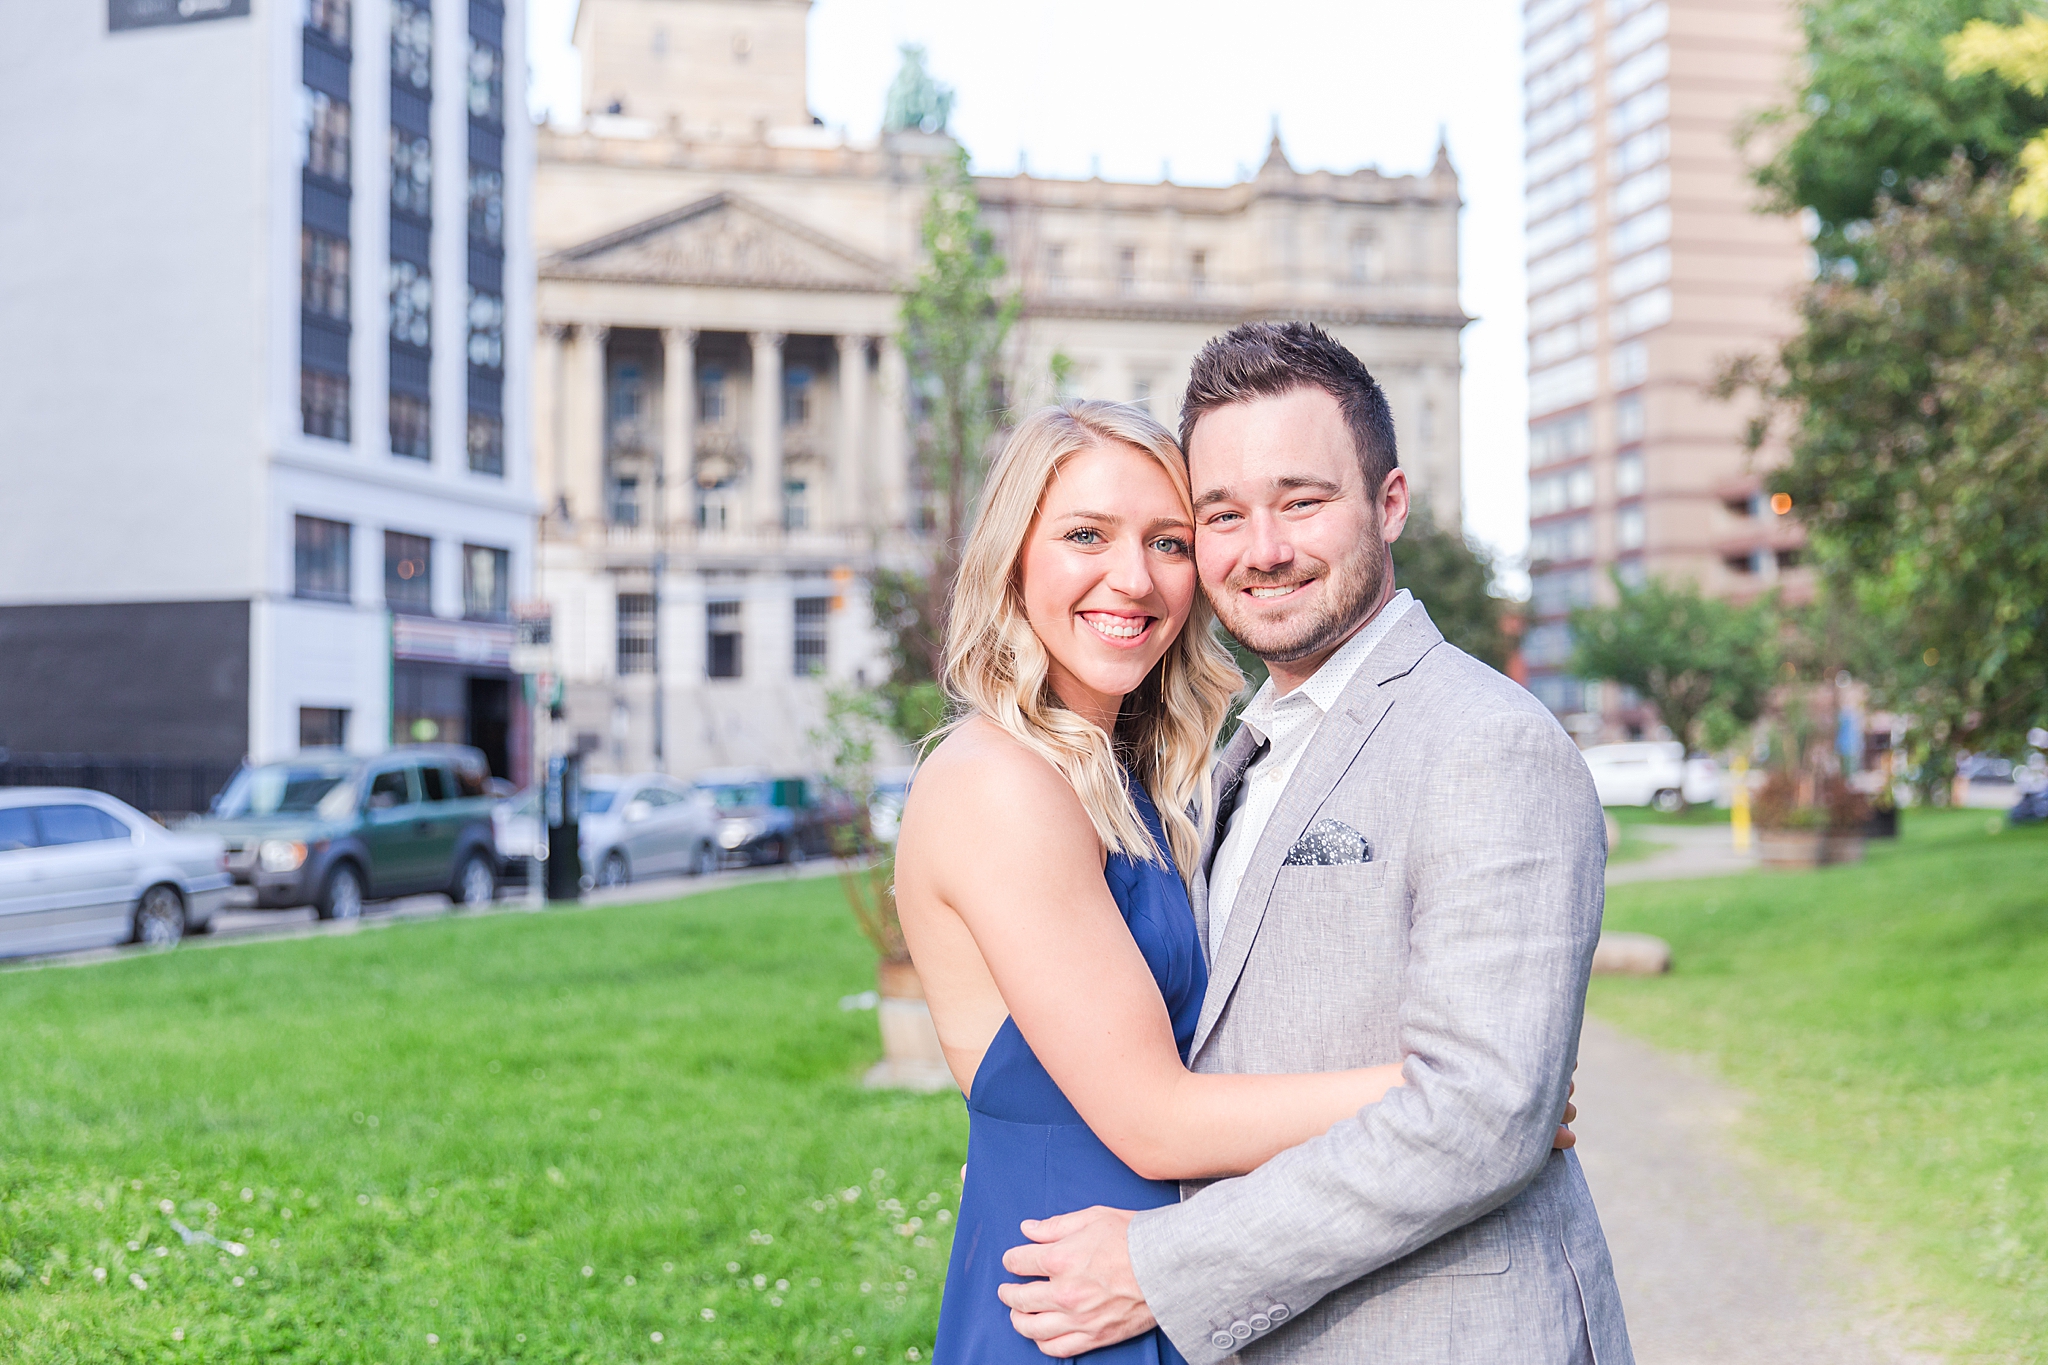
{"x": 613, "y": 870}
{"x": 342, "y": 897}
{"x": 160, "y": 918}
{"x": 706, "y": 861}
{"x": 476, "y": 886}
{"x": 1668, "y": 801}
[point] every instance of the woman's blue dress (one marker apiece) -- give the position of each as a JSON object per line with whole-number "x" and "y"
{"x": 1029, "y": 1155}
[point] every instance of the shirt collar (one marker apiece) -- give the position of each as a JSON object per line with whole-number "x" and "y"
{"x": 1327, "y": 683}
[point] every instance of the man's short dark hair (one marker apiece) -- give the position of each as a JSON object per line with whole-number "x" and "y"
{"x": 1267, "y": 359}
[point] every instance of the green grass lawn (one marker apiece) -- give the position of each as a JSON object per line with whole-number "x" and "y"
{"x": 1891, "y": 1020}
{"x": 631, "y": 1134}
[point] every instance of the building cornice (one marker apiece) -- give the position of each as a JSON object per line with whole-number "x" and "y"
{"x": 1230, "y": 314}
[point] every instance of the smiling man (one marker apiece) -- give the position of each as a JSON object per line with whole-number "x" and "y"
{"x": 1405, "y": 865}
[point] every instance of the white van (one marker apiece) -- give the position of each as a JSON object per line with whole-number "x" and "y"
{"x": 1652, "y": 773}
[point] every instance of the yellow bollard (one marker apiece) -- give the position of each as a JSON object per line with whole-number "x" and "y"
{"x": 1738, "y": 805}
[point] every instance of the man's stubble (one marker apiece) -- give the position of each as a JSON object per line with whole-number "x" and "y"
{"x": 1355, "y": 585}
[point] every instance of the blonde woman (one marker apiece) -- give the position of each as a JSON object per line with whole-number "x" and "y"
{"x": 1037, "y": 867}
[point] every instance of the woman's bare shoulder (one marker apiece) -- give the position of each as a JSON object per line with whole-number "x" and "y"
{"x": 979, "y": 768}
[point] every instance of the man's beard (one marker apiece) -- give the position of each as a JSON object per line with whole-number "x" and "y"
{"x": 1352, "y": 587}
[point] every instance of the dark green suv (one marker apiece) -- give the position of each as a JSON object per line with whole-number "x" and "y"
{"x": 333, "y": 831}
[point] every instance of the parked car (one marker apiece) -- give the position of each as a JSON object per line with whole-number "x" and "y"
{"x": 646, "y": 825}
{"x": 1987, "y": 782}
{"x": 515, "y": 829}
{"x": 763, "y": 818}
{"x": 885, "y": 804}
{"x": 1652, "y": 773}
{"x": 333, "y": 831}
{"x": 79, "y": 869}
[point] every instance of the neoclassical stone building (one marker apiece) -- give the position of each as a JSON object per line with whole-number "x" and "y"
{"x": 722, "y": 430}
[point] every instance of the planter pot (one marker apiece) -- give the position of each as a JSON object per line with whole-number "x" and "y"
{"x": 1882, "y": 824}
{"x": 911, "y": 1056}
{"x": 1807, "y": 848}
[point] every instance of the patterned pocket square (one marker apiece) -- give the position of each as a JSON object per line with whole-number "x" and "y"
{"x": 1329, "y": 843}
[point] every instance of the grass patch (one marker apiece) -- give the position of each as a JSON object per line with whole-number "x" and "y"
{"x": 1626, "y": 816}
{"x": 1891, "y": 1020}
{"x": 630, "y": 1134}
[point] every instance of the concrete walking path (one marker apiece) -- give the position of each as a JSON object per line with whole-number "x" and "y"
{"x": 1712, "y": 1270}
{"x": 1689, "y": 851}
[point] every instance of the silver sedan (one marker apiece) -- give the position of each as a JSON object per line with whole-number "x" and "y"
{"x": 79, "y": 869}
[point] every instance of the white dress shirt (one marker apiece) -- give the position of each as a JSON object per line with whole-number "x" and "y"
{"x": 1286, "y": 724}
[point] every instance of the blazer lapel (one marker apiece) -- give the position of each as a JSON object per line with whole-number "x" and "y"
{"x": 1229, "y": 769}
{"x": 1343, "y": 732}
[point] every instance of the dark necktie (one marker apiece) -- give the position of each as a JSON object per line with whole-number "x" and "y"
{"x": 1226, "y": 805}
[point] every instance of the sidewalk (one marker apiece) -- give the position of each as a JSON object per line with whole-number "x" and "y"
{"x": 1691, "y": 851}
{"x": 1711, "y": 1269}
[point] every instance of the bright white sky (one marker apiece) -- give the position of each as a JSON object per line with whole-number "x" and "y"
{"x": 1194, "y": 85}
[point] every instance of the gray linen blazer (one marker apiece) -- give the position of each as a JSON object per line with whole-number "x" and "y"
{"x": 1436, "y": 1226}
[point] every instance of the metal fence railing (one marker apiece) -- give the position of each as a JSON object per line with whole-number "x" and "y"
{"x": 167, "y": 788}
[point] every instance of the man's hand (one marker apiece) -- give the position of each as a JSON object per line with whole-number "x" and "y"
{"x": 1088, "y": 1298}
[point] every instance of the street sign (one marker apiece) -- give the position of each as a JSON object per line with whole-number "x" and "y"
{"x": 534, "y": 649}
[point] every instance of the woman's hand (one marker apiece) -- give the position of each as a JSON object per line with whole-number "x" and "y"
{"x": 1566, "y": 1139}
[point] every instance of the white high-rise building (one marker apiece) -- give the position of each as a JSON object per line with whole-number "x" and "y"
{"x": 267, "y": 478}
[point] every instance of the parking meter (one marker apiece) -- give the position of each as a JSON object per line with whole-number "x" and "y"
{"x": 563, "y": 799}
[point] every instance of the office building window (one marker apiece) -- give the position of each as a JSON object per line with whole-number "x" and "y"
{"x": 486, "y": 205}
{"x": 1629, "y": 421}
{"x": 625, "y": 508}
{"x": 412, "y": 425}
{"x": 1056, "y": 269}
{"x": 1555, "y": 593}
{"x": 1127, "y": 270}
{"x": 1628, "y": 472}
{"x": 1561, "y": 541}
{"x": 486, "y": 82}
{"x": 323, "y": 403}
{"x": 330, "y": 18}
{"x": 711, "y": 403}
{"x": 320, "y": 560}
{"x": 796, "y": 397}
{"x": 408, "y": 573}
{"x": 486, "y": 583}
{"x": 486, "y": 329}
{"x": 486, "y": 444}
{"x": 325, "y": 123}
{"x": 636, "y": 632}
{"x": 796, "y": 505}
{"x": 412, "y": 46}
{"x": 1629, "y": 530}
{"x": 412, "y": 173}
{"x": 812, "y": 615}
{"x": 323, "y": 727}
{"x": 1365, "y": 258}
{"x": 722, "y": 639}
{"x": 412, "y": 304}
{"x": 323, "y": 274}
{"x": 714, "y": 506}
{"x": 1198, "y": 273}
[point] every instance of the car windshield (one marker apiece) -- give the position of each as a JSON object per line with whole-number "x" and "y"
{"x": 598, "y": 800}
{"x": 733, "y": 795}
{"x": 282, "y": 789}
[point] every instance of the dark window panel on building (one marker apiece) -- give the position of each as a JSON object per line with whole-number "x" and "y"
{"x": 330, "y": 19}
{"x": 486, "y": 205}
{"x": 320, "y": 559}
{"x": 636, "y": 632}
{"x": 323, "y": 403}
{"x": 812, "y": 617}
{"x": 722, "y": 639}
{"x": 323, "y": 274}
{"x": 412, "y": 304}
{"x": 486, "y": 329}
{"x": 486, "y": 583}
{"x": 486, "y": 82}
{"x": 323, "y": 727}
{"x": 325, "y": 122}
{"x": 412, "y": 173}
{"x": 796, "y": 397}
{"x": 486, "y": 443}
{"x": 408, "y": 573}
{"x": 411, "y": 426}
{"x": 412, "y": 46}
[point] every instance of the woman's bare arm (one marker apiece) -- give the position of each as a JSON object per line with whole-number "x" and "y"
{"x": 996, "y": 836}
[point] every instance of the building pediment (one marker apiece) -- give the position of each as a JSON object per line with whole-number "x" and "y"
{"x": 725, "y": 240}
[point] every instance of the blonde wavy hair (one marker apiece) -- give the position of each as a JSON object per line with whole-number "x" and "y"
{"x": 996, "y": 666}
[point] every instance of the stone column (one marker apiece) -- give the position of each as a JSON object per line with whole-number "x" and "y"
{"x": 892, "y": 438}
{"x": 765, "y": 487}
{"x": 547, "y": 402}
{"x": 849, "y": 475}
{"x": 678, "y": 424}
{"x": 583, "y": 457}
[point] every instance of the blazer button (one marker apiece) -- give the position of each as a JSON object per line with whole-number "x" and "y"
{"x": 1278, "y": 1312}
{"x": 1260, "y": 1322}
{"x": 1222, "y": 1341}
{"x": 1241, "y": 1330}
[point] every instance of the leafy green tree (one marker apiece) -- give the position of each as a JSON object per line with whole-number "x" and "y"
{"x": 1705, "y": 663}
{"x": 1919, "y": 459}
{"x": 954, "y": 327}
{"x": 1454, "y": 579}
{"x": 2018, "y": 55}
{"x": 1874, "y": 113}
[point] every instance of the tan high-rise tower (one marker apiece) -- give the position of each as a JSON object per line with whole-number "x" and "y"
{"x": 1649, "y": 267}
